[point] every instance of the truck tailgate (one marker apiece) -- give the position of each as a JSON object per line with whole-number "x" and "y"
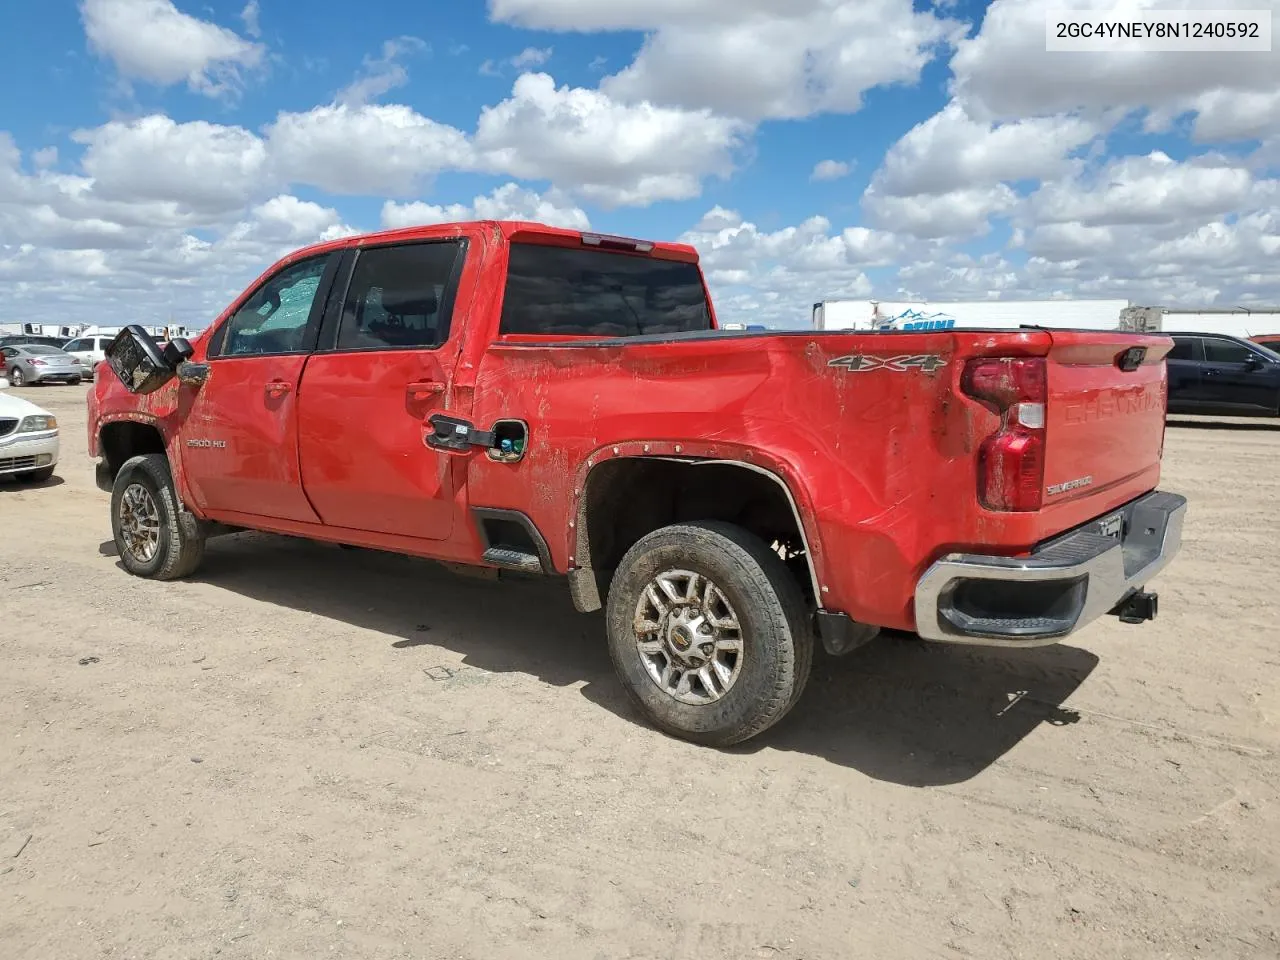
{"x": 1105, "y": 417}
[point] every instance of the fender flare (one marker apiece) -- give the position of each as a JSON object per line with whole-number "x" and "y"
{"x": 582, "y": 579}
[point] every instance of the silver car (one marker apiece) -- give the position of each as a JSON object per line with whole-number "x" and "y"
{"x": 27, "y": 363}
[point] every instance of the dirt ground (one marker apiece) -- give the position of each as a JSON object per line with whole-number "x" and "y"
{"x": 305, "y": 752}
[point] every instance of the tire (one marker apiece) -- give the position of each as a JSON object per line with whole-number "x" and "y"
{"x": 37, "y": 476}
{"x": 16, "y": 379}
{"x": 775, "y": 637}
{"x": 179, "y": 540}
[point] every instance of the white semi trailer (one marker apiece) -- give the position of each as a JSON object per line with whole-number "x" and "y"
{"x": 966, "y": 314}
{"x": 1232, "y": 321}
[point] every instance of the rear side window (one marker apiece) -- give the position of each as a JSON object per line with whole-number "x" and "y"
{"x": 399, "y": 297}
{"x": 1183, "y": 349}
{"x": 76, "y": 346}
{"x": 597, "y": 293}
{"x": 1226, "y": 351}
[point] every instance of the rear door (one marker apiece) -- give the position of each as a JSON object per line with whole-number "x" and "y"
{"x": 240, "y": 437}
{"x": 1184, "y": 362}
{"x": 1236, "y": 377}
{"x": 383, "y": 366}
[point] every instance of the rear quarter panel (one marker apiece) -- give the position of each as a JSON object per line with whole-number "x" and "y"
{"x": 880, "y": 463}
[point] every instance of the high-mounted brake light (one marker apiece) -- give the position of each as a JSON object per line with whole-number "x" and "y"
{"x": 1011, "y": 460}
{"x": 616, "y": 243}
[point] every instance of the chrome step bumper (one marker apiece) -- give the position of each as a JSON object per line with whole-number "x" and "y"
{"x": 1063, "y": 585}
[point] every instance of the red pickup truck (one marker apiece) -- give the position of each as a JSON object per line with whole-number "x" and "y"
{"x": 521, "y": 397}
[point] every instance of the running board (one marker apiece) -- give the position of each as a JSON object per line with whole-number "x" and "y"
{"x": 510, "y": 559}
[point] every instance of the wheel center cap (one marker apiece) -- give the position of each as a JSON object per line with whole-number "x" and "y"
{"x": 681, "y": 638}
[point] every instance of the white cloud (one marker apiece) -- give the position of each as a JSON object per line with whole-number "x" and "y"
{"x": 951, "y": 151}
{"x": 774, "y": 277}
{"x": 611, "y": 153}
{"x": 69, "y": 254}
{"x": 1145, "y": 190}
{"x": 752, "y": 58}
{"x": 531, "y": 57}
{"x": 378, "y": 75}
{"x": 1003, "y": 71}
{"x": 830, "y": 170}
{"x": 197, "y": 165}
{"x": 956, "y": 214}
{"x": 508, "y": 202}
{"x": 368, "y": 149}
{"x": 153, "y": 40}
{"x": 250, "y": 15}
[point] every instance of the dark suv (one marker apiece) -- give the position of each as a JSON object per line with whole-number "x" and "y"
{"x": 1211, "y": 373}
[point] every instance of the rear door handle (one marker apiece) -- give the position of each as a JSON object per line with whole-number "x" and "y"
{"x": 277, "y": 388}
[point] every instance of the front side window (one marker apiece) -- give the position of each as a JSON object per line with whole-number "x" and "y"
{"x": 1226, "y": 351}
{"x": 275, "y": 318}
{"x": 568, "y": 291}
{"x": 397, "y": 297}
{"x": 76, "y": 346}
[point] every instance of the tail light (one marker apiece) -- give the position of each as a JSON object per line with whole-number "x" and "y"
{"x": 1011, "y": 460}
{"x": 36, "y": 363}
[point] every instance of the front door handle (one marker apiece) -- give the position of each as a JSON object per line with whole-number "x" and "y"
{"x": 424, "y": 389}
{"x": 420, "y": 396}
{"x": 277, "y": 389}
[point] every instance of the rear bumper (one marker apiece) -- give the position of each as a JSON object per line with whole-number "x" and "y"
{"x": 1065, "y": 584}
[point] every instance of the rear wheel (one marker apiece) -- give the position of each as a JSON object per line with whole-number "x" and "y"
{"x": 16, "y": 379}
{"x": 154, "y": 538}
{"x": 707, "y": 630}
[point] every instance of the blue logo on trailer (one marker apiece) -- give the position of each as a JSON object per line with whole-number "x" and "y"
{"x": 916, "y": 320}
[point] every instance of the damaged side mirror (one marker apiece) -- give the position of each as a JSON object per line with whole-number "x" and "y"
{"x": 140, "y": 363}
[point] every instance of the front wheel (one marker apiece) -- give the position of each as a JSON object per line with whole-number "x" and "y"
{"x": 707, "y": 631}
{"x": 153, "y": 536}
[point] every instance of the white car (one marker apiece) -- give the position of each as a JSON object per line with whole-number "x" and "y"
{"x": 28, "y": 438}
{"x": 90, "y": 351}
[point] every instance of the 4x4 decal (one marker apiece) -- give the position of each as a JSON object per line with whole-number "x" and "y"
{"x": 862, "y": 363}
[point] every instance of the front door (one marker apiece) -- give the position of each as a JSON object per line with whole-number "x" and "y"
{"x": 370, "y": 387}
{"x": 240, "y": 431}
{"x": 1234, "y": 376}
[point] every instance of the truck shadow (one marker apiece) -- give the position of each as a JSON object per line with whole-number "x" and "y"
{"x": 897, "y": 710}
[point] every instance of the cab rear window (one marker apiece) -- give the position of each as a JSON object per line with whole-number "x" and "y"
{"x": 562, "y": 291}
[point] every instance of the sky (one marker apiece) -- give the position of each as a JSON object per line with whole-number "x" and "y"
{"x": 157, "y": 155}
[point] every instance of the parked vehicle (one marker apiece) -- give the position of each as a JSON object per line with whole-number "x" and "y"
{"x": 522, "y": 397}
{"x": 32, "y": 363}
{"x": 1269, "y": 340}
{"x": 1223, "y": 376}
{"x": 28, "y": 438}
{"x": 90, "y": 351}
{"x": 21, "y": 339}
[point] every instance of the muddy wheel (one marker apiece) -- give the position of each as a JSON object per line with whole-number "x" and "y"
{"x": 707, "y": 630}
{"x": 153, "y": 537}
